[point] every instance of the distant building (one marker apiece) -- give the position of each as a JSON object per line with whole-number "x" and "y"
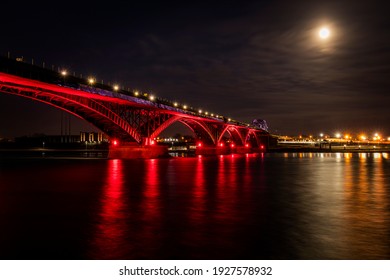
{"x": 92, "y": 137}
{"x": 38, "y": 140}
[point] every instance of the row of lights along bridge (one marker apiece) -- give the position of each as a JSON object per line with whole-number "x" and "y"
{"x": 115, "y": 87}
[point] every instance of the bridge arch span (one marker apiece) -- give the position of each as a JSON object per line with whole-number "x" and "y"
{"x": 251, "y": 138}
{"x": 234, "y": 133}
{"x": 91, "y": 110}
{"x": 121, "y": 114}
{"x": 201, "y": 130}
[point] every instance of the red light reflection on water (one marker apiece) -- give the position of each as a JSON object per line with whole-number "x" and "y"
{"x": 110, "y": 232}
{"x": 198, "y": 193}
{"x": 151, "y": 193}
{"x": 227, "y": 187}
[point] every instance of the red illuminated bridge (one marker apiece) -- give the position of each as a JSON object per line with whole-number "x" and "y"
{"x": 132, "y": 120}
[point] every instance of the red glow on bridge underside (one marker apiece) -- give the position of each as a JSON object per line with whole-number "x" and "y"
{"x": 94, "y": 105}
{"x": 37, "y": 85}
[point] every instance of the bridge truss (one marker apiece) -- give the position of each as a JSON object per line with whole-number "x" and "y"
{"x": 126, "y": 117}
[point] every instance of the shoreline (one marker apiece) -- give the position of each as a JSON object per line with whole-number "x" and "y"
{"x": 318, "y": 150}
{"x": 103, "y": 154}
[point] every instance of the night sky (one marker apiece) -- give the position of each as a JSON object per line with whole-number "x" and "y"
{"x": 240, "y": 59}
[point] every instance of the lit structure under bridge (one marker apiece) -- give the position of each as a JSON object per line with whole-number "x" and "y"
{"x": 131, "y": 119}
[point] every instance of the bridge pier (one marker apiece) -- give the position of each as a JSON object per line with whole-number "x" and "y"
{"x": 133, "y": 151}
{"x": 225, "y": 150}
{"x": 211, "y": 150}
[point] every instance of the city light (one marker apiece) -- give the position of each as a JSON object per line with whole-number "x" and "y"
{"x": 116, "y": 87}
{"x": 64, "y": 72}
{"x": 136, "y": 93}
{"x": 342, "y": 137}
{"x": 175, "y": 104}
{"x": 377, "y": 137}
{"x": 91, "y": 81}
{"x": 151, "y": 97}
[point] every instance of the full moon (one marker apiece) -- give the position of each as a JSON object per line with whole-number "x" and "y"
{"x": 324, "y": 33}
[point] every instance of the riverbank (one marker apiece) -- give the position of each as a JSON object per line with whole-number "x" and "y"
{"x": 103, "y": 153}
{"x": 332, "y": 149}
{"x": 48, "y": 153}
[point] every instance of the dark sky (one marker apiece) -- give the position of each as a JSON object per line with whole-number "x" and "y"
{"x": 243, "y": 59}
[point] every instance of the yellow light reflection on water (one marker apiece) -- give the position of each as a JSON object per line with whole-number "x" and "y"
{"x": 377, "y": 155}
{"x": 365, "y": 215}
{"x": 348, "y": 155}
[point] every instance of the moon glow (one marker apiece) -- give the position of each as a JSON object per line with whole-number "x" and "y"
{"x": 324, "y": 33}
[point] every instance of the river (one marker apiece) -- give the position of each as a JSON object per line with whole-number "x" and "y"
{"x": 254, "y": 206}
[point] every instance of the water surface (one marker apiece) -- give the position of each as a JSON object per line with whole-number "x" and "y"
{"x": 255, "y": 206}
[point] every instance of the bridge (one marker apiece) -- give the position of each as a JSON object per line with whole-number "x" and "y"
{"x": 131, "y": 119}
